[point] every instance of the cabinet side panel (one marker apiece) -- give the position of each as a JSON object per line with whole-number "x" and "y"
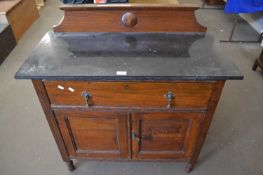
{"x": 44, "y": 101}
{"x": 206, "y": 123}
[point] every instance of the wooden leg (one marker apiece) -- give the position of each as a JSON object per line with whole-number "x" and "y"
{"x": 206, "y": 124}
{"x": 258, "y": 62}
{"x": 255, "y": 66}
{"x": 189, "y": 167}
{"x": 70, "y": 165}
{"x": 44, "y": 100}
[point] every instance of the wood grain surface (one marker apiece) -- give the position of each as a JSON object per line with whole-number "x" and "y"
{"x": 130, "y": 94}
{"x": 150, "y": 17}
{"x": 166, "y": 135}
{"x": 92, "y": 134}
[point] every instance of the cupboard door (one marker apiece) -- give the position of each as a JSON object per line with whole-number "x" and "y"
{"x": 166, "y": 135}
{"x": 93, "y": 134}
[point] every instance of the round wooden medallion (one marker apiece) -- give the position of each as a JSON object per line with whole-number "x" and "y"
{"x": 129, "y": 19}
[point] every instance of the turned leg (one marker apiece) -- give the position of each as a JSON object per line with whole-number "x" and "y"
{"x": 189, "y": 167}
{"x": 70, "y": 165}
{"x": 255, "y": 65}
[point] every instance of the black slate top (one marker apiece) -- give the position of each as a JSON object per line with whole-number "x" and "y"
{"x": 127, "y": 56}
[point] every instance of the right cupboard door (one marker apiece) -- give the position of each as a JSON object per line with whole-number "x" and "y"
{"x": 164, "y": 135}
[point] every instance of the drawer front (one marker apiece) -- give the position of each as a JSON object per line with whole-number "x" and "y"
{"x": 130, "y": 94}
{"x": 97, "y": 134}
{"x": 164, "y": 135}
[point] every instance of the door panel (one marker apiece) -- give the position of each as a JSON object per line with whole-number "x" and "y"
{"x": 167, "y": 135}
{"x": 94, "y": 134}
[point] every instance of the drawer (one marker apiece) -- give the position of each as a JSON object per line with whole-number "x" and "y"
{"x": 130, "y": 94}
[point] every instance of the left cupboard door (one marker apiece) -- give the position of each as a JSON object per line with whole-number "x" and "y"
{"x": 95, "y": 134}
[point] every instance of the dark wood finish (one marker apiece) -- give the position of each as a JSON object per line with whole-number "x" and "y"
{"x": 130, "y": 94}
{"x": 258, "y": 62}
{"x": 44, "y": 101}
{"x": 149, "y": 18}
{"x": 129, "y": 120}
{"x": 214, "y": 2}
{"x": 206, "y": 124}
{"x": 7, "y": 42}
{"x": 149, "y": 133}
{"x": 92, "y": 134}
{"x": 139, "y": 132}
{"x": 166, "y": 135}
{"x": 21, "y": 14}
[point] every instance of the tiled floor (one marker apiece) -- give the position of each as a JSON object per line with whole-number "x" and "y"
{"x": 234, "y": 144}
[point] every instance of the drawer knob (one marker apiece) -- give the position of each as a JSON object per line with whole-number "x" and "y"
{"x": 129, "y": 19}
{"x": 87, "y": 97}
{"x": 169, "y": 97}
